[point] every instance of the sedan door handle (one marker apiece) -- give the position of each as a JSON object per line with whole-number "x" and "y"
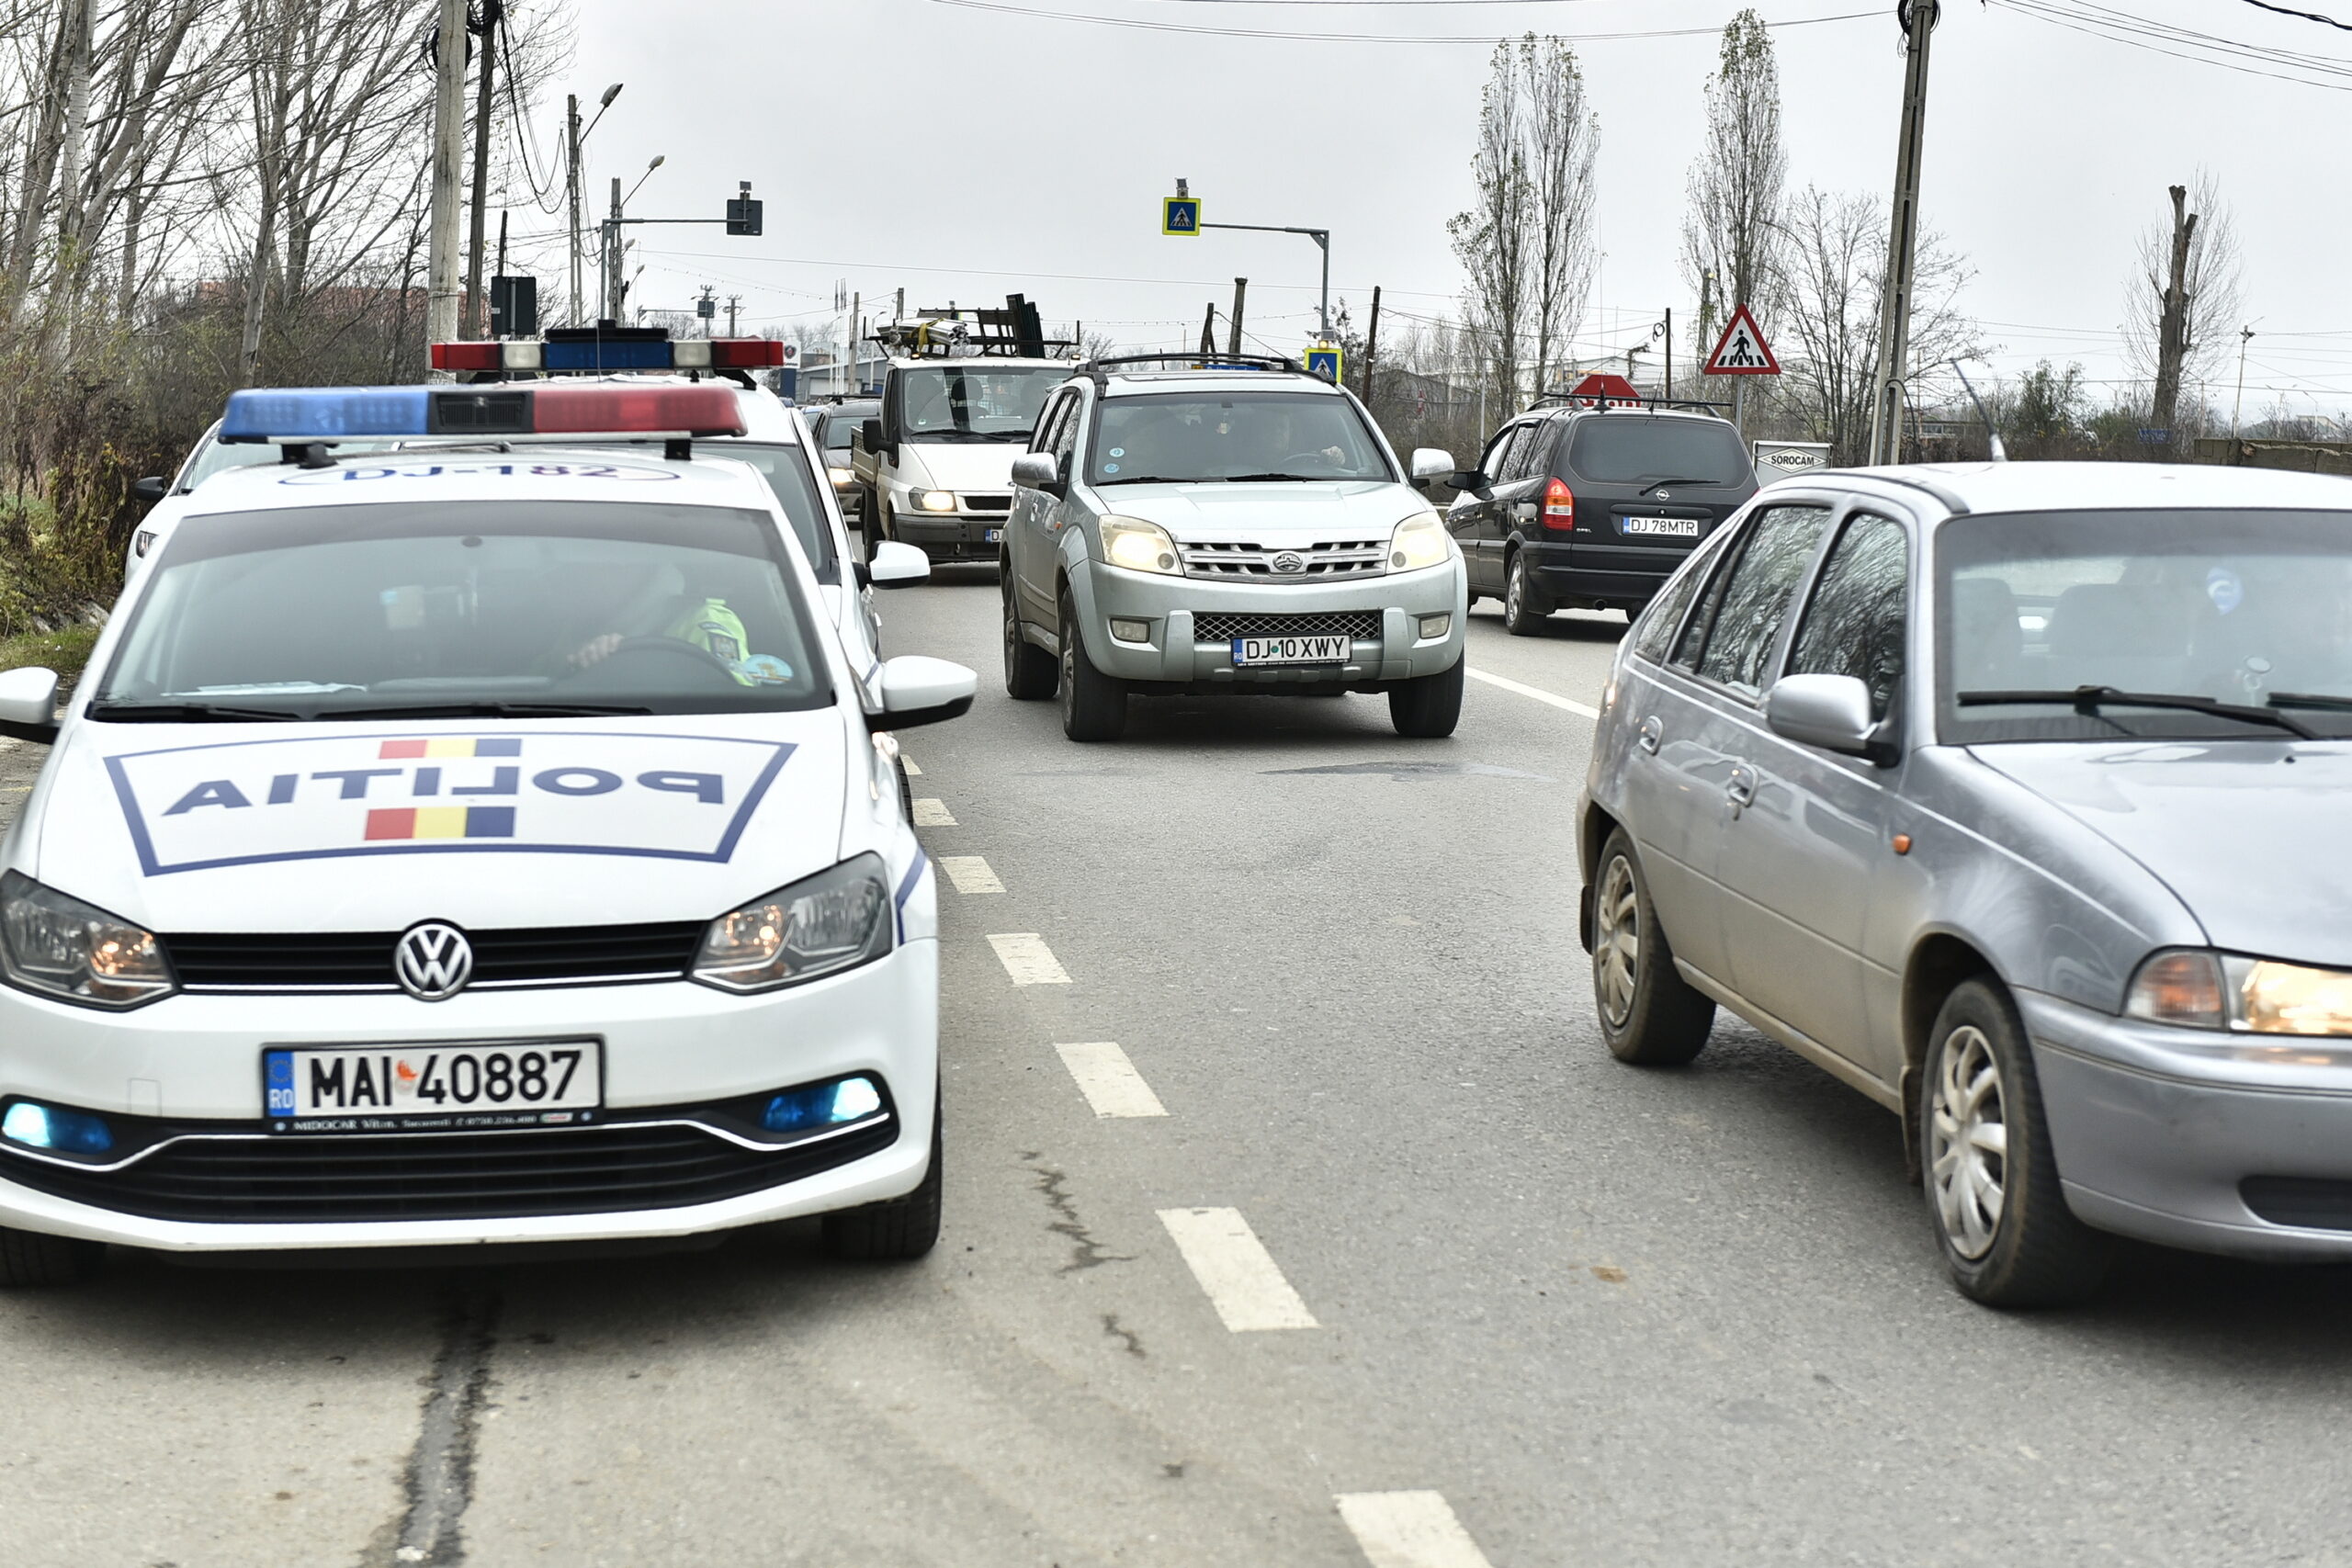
{"x": 1649, "y": 735}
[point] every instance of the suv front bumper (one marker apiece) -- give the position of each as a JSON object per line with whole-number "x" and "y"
{"x": 1176, "y": 652}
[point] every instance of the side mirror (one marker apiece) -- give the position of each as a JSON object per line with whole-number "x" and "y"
{"x": 29, "y": 705}
{"x": 1829, "y": 711}
{"x": 1429, "y": 463}
{"x": 894, "y": 565}
{"x": 150, "y": 490}
{"x": 1469, "y": 480}
{"x": 870, "y": 434}
{"x": 916, "y": 690}
{"x": 1036, "y": 470}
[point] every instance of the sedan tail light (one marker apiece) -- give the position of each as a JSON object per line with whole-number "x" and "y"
{"x": 1559, "y": 507}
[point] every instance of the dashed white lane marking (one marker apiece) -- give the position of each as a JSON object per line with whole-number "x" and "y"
{"x": 970, "y": 874}
{"x": 1537, "y": 693}
{"x": 932, "y": 814}
{"x": 1028, "y": 960}
{"x": 913, "y": 772}
{"x": 1408, "y": 1529}
{"x": 1109, "y": 1081}
{"x": 1234, "y": 1266}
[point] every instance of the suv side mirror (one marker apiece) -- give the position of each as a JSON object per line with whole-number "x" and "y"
{"x": 150, "y": 490}
{"x": 29, "y": 705}
{"x": 1037, "y": 470}
{"x": 1829, "y": 711}
{"x": 1469, "y": 480}
{"x": 916, "y": 690}
{"x": 1430, "y": 463}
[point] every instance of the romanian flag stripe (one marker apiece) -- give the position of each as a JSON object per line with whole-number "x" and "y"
{"x": 396, "y": 750}
{"x": 407, "y": 822}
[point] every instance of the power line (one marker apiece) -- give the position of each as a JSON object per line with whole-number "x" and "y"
{"x": 2306, "y": 16}
{"x": 1483, "y": 40}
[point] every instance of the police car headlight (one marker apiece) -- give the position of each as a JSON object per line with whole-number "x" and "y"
{"x": 820, "y": 925}
{"x": 1139, "y": 545}
{"x": 935, "y": 501}
{"x": 60, "y": 947}
{"x": 1421, "y": 540}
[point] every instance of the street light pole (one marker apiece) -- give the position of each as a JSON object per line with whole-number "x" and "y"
{"x": 1918, "y": 18}
{"x": 2245, "y": 335}
{"x": 571, "y": 192}
{"x": 1322, "y": 238}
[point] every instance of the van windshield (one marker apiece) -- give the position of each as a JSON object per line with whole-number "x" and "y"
{"x": 984, "y": 402}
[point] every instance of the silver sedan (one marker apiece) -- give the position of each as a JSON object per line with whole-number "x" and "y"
{"x": 2016, "y": 798}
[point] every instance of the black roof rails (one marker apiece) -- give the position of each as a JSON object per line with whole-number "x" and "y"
{"x": 1193, "y": 359}
{"x": 1669, "y": 404}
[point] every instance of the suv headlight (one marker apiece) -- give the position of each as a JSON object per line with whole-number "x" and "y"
{"x": 1421, "y": 540}
{"x": 1139, "y": 545}
{"x": 58, "y": 946}
{"x": 820, "y": 925}
{"x": 2198, "y": 990}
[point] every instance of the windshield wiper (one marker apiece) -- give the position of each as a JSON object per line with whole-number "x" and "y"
{"x": 2307, "y": 700}
{"x": 1147, "y": 479}
{"x": 1260, "y": 478}
{"x": 1656, "y": 483}
{"x": 2088, "y": 700}
{"x": 490, "y": 710}
{"x": 181, "y": 713}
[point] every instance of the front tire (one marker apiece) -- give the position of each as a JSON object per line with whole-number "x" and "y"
{"x": 2000, "y": 1217}
{"x": 896, "y": 1230}
{"x": 1094, "y": 706}
{"x": 1649, "y": 1015}
{"x": 34, "y": 1258}
{"x": 1029, "y": 673}
{"x": 1525, "y": 604}
{"x": 1427, "y": 707}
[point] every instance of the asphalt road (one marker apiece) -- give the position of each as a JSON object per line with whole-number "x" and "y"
{"x": 1407, "y": 1273}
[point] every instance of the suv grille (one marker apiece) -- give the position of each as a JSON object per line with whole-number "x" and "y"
{"x": 1319, "y": 563}
{"x": 453, "y": 1175}
{"x": 1364, "y": 624}
{"x": 362, "y": 961}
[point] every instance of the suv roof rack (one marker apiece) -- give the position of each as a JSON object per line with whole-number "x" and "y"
{"x": 1648, "y": 405}
{"x": 958, "y": 332}
{"x": 1193, "y": 359}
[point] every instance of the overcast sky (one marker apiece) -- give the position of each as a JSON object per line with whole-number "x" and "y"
{"x": 962, "y": 149}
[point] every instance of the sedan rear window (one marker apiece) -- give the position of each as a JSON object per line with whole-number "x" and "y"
{"x": 1631, "y": 450}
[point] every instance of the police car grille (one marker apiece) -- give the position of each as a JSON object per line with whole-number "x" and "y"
{"x": 1317, "y": 563}
{"x": 361, "y": 961}
{"x": 431, "y": 1175}
{"x": 1222, "y": 627}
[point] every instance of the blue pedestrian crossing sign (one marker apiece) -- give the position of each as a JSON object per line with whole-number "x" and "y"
{"x": 1181, "y": 215}
{"x": 1323, "y": 360}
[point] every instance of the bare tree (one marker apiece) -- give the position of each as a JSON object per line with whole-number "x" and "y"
{"x": 1733, "y": 236}
{"x": 1564, "y": 142}
{"x": 2182, "y": 304}
{"x": 1492, "y": 239}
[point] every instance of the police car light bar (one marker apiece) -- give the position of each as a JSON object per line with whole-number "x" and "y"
{"x": 332, "y": 414}
{"x": 590, "y": 354}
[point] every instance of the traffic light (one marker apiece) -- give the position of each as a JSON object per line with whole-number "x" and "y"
{"x": 744, "y": 212}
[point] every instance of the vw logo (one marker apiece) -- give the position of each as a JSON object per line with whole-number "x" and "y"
{"x": 433, "y": 962}
{"x": 1290, "y": 560}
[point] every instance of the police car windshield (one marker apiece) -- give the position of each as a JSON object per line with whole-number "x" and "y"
{"x": 364, "y": 611}
{"x": 975, "y": 400}
{"x": 1232, "y": 435}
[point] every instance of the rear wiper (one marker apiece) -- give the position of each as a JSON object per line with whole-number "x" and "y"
{"x": 490, "y": 710}
{"x": 2088, "y": 700}
{"x": 182, "y": 713}
{"x": 1656, "y": 483}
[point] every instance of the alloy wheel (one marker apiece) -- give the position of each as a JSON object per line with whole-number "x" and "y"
{"x": 1511, "y": 591}
{"x": 1968, "y": 1142}
{"x": 1617, "y": 942}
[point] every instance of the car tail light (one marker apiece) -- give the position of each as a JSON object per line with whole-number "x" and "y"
{"x": 1559, "y": 507}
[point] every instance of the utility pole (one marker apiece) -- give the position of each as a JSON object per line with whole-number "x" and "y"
{"x": 1208, "y": 331}
{"x": 477, "y": 314}
{"x": 733, "y": 300}
{"x": 611, "y": 308}
{"x": 1240, "y": 291}
{"x": 853, "y": 385}
{"x": 2245, "y": 335}
{"x": 1669, "y": 354}
{"x": 448, "y": 138}
{"x": 1918, "y": 20}
{"x": 2172, "y": 326}
{"x": 1371, "y": 344}
{"x": 571, "y": 192}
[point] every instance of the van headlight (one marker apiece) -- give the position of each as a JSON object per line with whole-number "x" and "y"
{"x": 820, "y": 925}
{"x": 1421, "y": 540}
{"x": 934, "y": 500}
{"x": 57, "y": 946}
{"x": 1139, "y": 545}
{"x": 2195, "y": 989}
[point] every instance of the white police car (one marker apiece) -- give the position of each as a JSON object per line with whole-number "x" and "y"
{"x": 468, "y": 846}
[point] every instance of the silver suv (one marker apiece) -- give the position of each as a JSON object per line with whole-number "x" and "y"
{"x": 1238, "y": 525}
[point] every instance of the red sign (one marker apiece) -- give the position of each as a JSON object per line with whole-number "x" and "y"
{"x": 1742, "y": 351}
{"x": 1603, "y": 390}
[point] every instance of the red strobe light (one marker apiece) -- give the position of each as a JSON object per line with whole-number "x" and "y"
{"x": 468, "y": 356}
{"x": 605, "y": 410}
{"x": 745, "y": 352}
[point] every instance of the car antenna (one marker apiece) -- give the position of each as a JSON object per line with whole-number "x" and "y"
{"x": 1992, "y": 436}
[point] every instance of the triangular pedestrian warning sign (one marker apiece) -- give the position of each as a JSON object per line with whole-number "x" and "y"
{"x": 1742, "y": 351}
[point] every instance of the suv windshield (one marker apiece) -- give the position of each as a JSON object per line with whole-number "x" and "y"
{"x": 1631, "y": 450}
{"x": 520, "y": 607}
{"x": 998, "y": 402}
{"x": 2049, "y": 621}
{"x": 1232, "y": 435}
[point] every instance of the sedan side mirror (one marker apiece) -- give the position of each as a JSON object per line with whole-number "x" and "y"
{"x": 916, "y": 690}
{"x": 29, "y": 705}
{"x": 1430, "y": 463}
{"x": 150, "y": 490}
{"x": 1829, "y": 711}
{"x": 895, "y": 565}
{"x": 1036, "y": 470}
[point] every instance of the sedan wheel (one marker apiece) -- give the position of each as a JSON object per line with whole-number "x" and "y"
{"x": 1617, "y": 942}
{"x": 1968, "y": 1144}
{"x": 1649, "y": 1015}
